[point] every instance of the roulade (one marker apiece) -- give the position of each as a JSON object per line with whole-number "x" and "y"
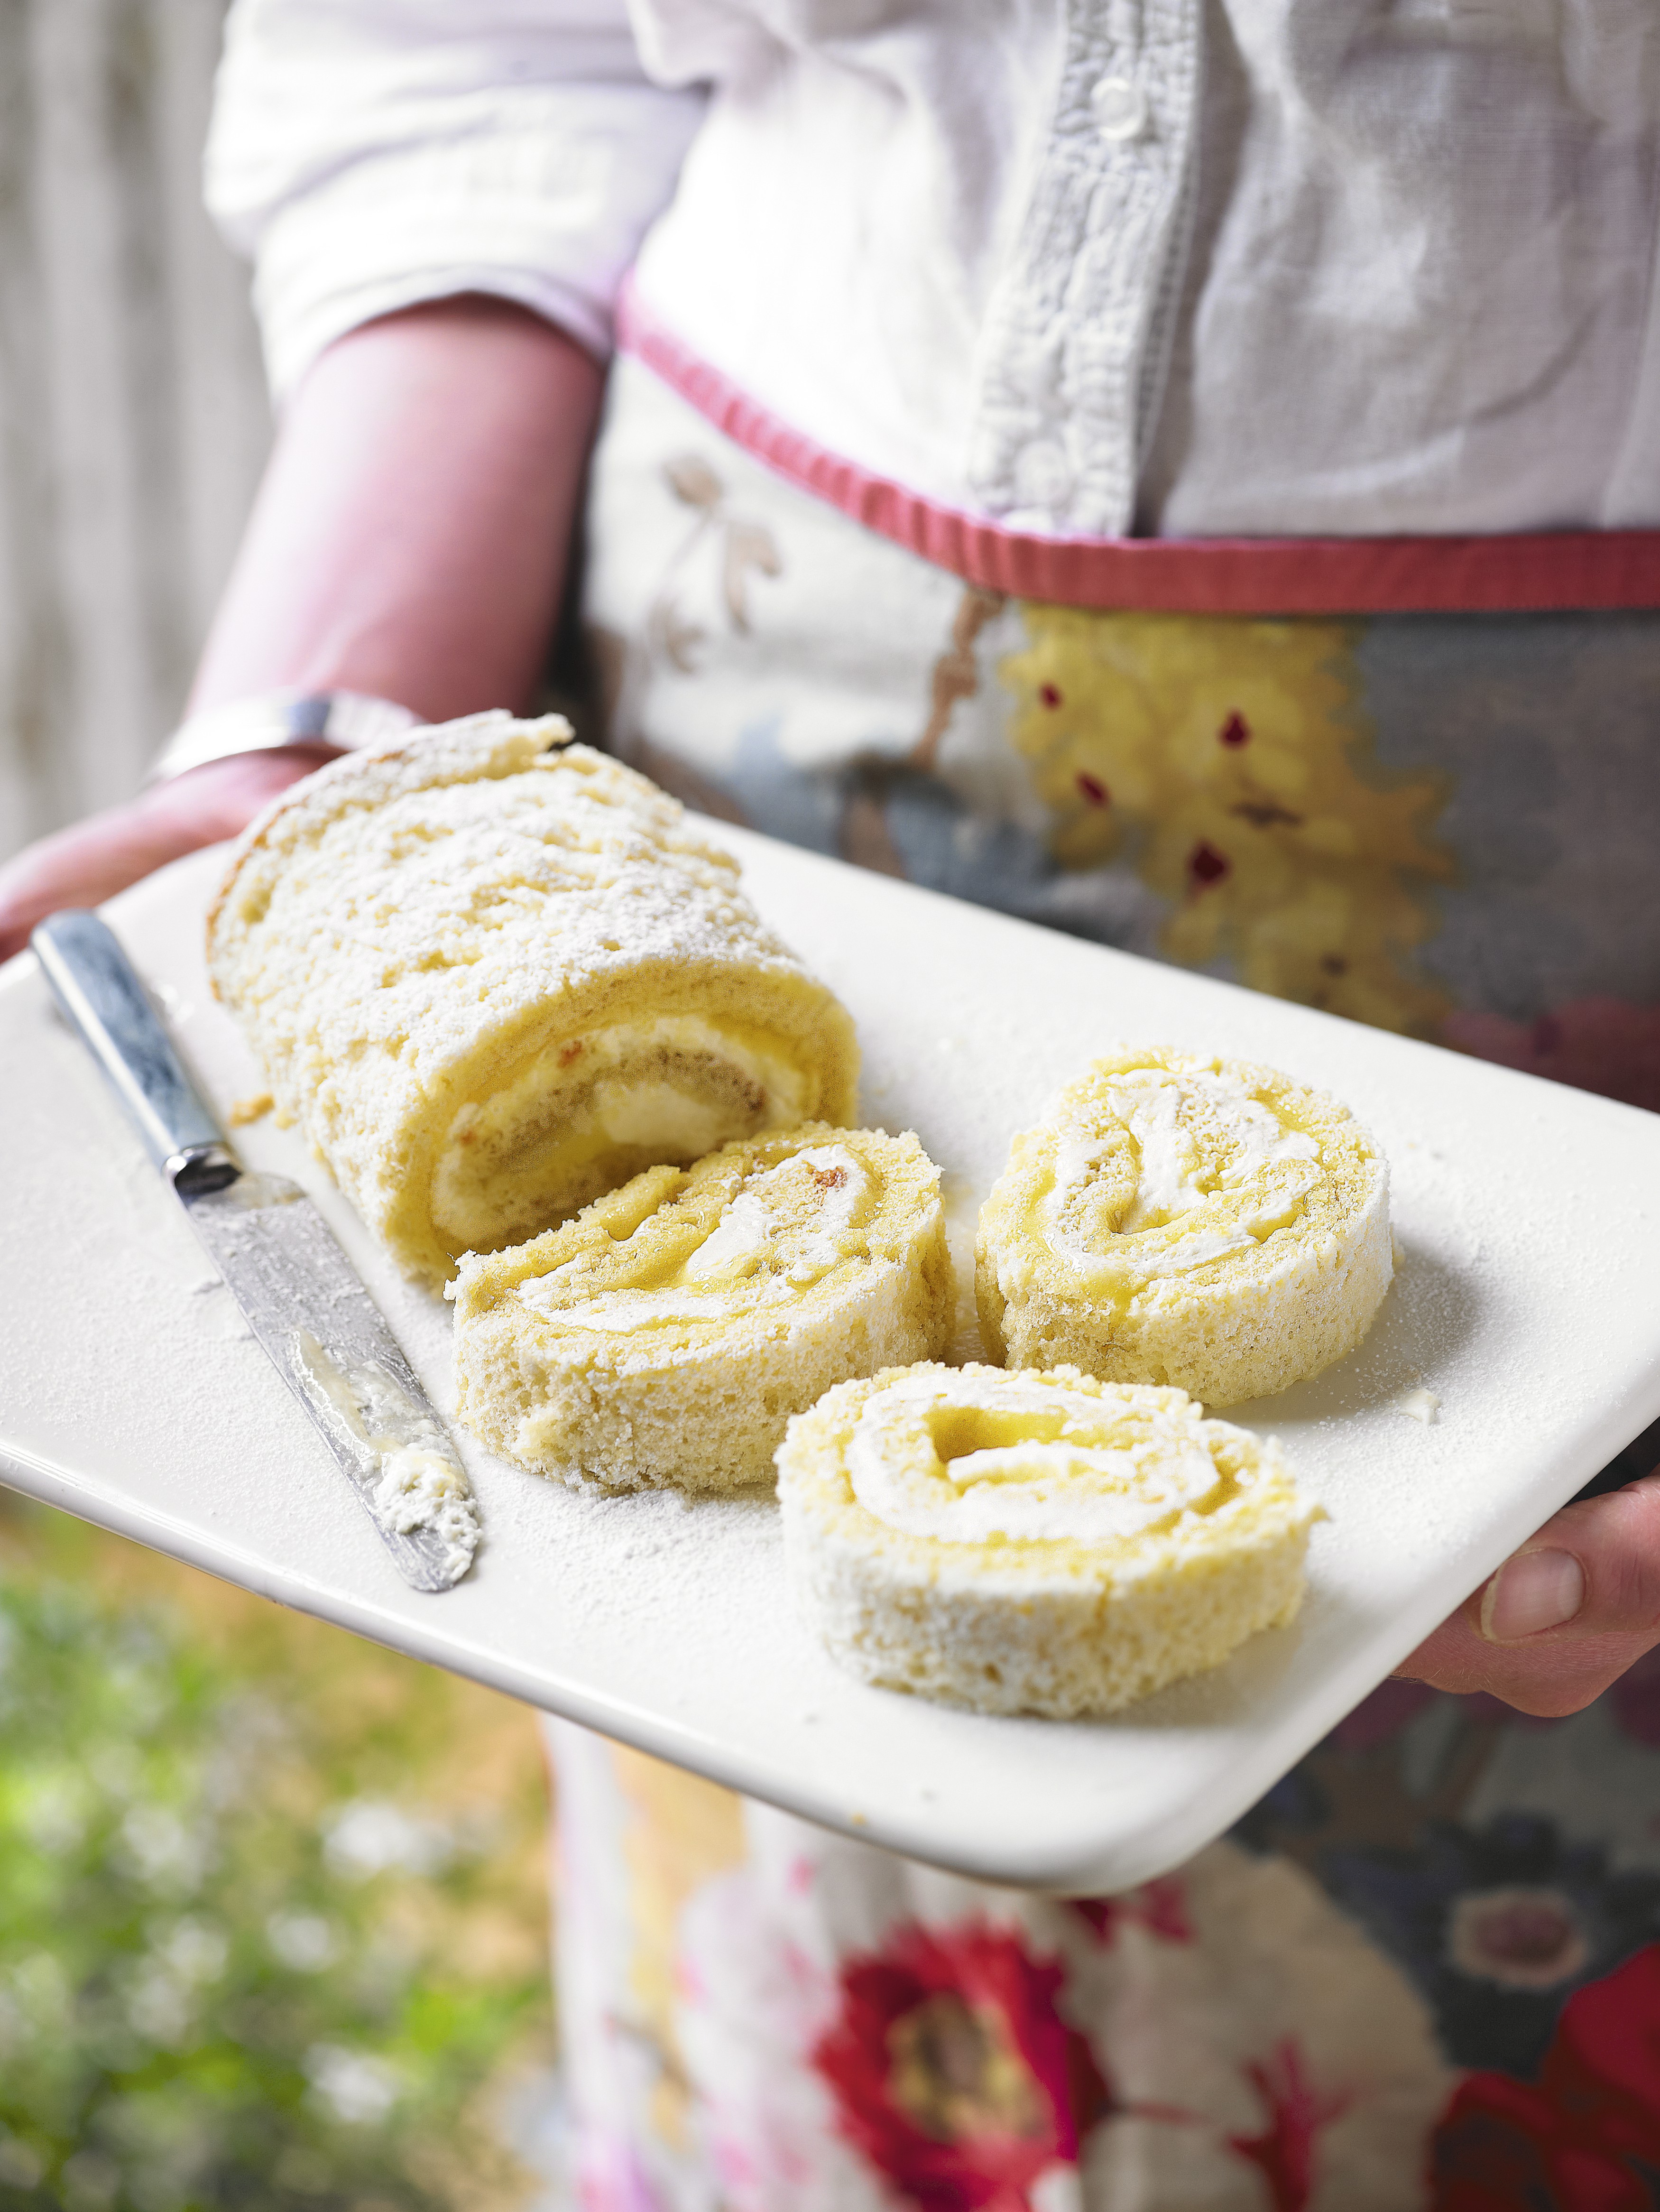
{"x": 1201, "y": 1222}
{"x": 667, "y": 1334}
{"x": 1033, "y": 1543}
{"x": 492, "y": 975}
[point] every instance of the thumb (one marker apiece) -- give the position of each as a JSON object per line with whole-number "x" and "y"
{"x": 1565, "y": 1616}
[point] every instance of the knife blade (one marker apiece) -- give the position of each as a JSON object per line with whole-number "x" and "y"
{"x": 298, "y": 1291}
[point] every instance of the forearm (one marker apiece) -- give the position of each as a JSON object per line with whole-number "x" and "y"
{"x": 410, "y": 536}
{"x": 409, "y": 541}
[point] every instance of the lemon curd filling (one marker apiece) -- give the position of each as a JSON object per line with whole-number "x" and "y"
{"x": 1007, "y": 1461}
{"x": 666, "y": 1335}
{"x": 591, "y": 1111}
{"x": 1203, "y": 1222}
{"x": 1037, "y": 1542}
{"x": 783, "y": 1231}
{"x": 1192, "y": 1167}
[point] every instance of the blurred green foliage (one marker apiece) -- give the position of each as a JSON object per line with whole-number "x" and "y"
{"x": 228, "y": 1976}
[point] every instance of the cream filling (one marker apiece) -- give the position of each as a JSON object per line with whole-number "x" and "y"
{"x": 756, "y": 1254}
{"x": 1181, "y": 1126}
{"x": 415, "y": 1485}
{"x": 1057, "y": 1466}
{"x": 590, "y": 1112}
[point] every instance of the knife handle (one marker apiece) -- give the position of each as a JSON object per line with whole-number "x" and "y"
{"x": 95, "y": 983}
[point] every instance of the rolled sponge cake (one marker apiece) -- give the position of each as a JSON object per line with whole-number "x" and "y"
{"x": 665, "y": 1336}
{"x": 1033, "y": 1542}
{"x": 1178, "y": 1218}
{"x": 492, "y": 975}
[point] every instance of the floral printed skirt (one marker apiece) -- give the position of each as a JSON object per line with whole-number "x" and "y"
{"x": 1425, "y": 1971}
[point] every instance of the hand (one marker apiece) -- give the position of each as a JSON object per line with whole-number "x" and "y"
{"x": 92, "y": 860}
{"x": 1565, "y": 1616}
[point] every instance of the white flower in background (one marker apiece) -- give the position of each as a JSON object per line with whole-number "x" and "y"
{"x": 167, "y": 1854}
{"x": 302, "y": 1942}
{"x": 161, "y": 2008}
{"x": 193, "y": 1951}
{"x": 368, "y": 1837}
{"x": 352, "y": 2084}
{"x": 183, "y": 1958}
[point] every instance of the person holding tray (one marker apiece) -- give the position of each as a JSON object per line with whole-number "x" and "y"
{"x": 1190, "y": 476}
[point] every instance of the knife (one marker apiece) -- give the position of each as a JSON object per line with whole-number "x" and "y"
{"x": 298, "y": 1291}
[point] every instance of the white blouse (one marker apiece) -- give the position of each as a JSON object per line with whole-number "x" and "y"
{"x": 1077, "y": 267}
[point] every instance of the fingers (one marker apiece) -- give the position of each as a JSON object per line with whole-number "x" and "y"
{"x": 1565, "y": 1616}
{"x": 92, "y": 860}
{"x": 78, "y": 866}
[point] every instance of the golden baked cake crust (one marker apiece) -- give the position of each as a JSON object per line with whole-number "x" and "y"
{"x": 665, "y": 1336}
{"x": 1177, "y": 1218}
{"x": 492, "y": 975}
{"x": 1033, "y": 1542}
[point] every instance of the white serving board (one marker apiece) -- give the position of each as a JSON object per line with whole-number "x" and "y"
{"x": 1527, "y": 1302}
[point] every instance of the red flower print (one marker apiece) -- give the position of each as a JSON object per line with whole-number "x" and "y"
{"x": 1297, "y": 2117}
{"x": 1235, "y": 731}
{"x": 1049, "y": 694}
{"x": 954, "y": 2072}
{"x": 1093, "y": 789}
{"x": 1584, "y": 2134}
{"x": 1206, "y": 865}
{"x": 1159, "y": 1906}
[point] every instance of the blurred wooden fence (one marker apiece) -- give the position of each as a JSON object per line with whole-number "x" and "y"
{"x": 133, "y": 419}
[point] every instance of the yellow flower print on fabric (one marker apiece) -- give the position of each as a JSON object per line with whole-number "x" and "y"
{"x": 1230, "y": 761}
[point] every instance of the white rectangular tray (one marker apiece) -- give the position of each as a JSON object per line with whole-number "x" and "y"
{"x": 1527, "y": 1302}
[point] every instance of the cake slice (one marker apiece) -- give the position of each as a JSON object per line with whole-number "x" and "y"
{"x": 1032, "y": 1542}
{"x": 665, "y": 1336}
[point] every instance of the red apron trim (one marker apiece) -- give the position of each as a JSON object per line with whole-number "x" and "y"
{"x": 1520, "y": 571}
